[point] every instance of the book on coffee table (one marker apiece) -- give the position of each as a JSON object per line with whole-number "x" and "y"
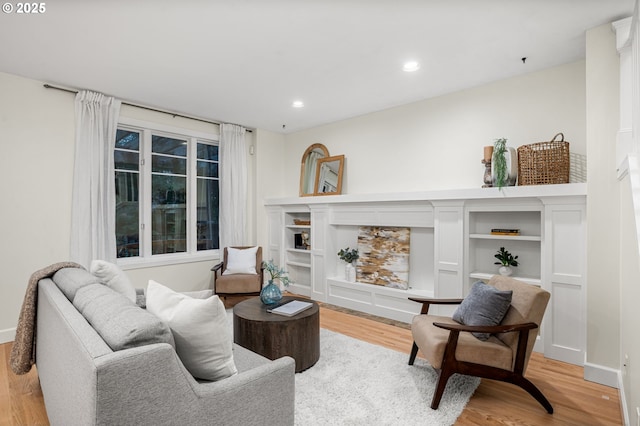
{"x": 290, "y": 309}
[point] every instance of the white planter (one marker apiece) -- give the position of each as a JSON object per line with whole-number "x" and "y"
{"x": 505, "y": 270}
{"x": 350, "y": 273}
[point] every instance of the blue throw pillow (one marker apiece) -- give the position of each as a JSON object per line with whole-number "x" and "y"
{"x": 485, "y": 305}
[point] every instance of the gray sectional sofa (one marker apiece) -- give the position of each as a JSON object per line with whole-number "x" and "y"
{"x": 85, "y": 382}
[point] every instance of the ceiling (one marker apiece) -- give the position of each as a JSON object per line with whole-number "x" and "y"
{"x": 246, "y": 61}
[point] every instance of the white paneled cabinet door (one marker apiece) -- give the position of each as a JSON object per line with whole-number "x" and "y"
{"x": 449, "y": 253}
{"x": 564, "y": 277}
{"x": 274, "y": 231}
{"x": 319, "y": 246}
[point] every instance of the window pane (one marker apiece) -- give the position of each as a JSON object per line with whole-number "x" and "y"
{"x": 169, "y": 146}
{"x": 125, "y": 160}
{"x": 170, "y": 165}
{"x": 207, "y": 152}
{"x": 127, "y": 214}
{"x": 208, "y": 207}
{"x": 207, "y": 169}
{"x": 127, "y": 139}
{"x": 168, "y": 214}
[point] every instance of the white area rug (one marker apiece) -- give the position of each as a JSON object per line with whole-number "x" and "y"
{"x": 357, "y": 383}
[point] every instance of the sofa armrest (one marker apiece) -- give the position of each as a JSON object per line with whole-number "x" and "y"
{"x": 159, "y": 390}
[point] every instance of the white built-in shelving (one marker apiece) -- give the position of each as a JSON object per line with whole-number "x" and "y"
{"x": 297, "y": 261}
{"x": 451, "y": 247}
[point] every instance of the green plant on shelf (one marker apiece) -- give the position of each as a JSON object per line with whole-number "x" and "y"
{"x": 500, "y": 162}
{"x": 505, "y": 258}
{"x": 348, "y": 255}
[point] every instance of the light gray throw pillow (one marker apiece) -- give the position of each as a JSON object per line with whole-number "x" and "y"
{"x": 485, "y": 305}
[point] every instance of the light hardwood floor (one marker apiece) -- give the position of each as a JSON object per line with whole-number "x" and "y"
{"x": 575, "y": 401}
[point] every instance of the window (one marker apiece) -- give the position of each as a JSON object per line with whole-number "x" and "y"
{"x": 167, "y": 192}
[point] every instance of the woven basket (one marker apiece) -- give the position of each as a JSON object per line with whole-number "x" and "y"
{"x": 544, "y": 163}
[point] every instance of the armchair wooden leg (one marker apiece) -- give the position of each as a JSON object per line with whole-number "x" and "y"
{"x": 414, "y": 352}
{"x": 443, "y": 378}
{"x": 534, "y": 392}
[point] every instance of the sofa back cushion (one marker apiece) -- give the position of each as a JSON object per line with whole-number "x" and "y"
{"x": 69, "y": 280}
{"x": 119, "y": 321}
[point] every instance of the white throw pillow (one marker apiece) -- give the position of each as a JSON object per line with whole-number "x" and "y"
{"x": 112, "y": 276}
{"x": 241, "y": 261}
{"x": 200, "y": 330}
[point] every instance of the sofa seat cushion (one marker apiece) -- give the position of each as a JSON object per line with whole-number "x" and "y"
{"x": 69, "y": 280}
{"x": 239, "y": 283}
{"x": 119, "y": 321}
{"x": 432, "y": 341}
{"x": 200, "y": 330}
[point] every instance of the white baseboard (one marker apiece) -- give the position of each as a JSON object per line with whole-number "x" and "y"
{"x": 7, "y": 335}
{"x": 623, "y": 401}
{"x": 600, "y": 374}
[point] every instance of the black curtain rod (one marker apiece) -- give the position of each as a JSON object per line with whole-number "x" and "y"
{"x": 48, "y": 86}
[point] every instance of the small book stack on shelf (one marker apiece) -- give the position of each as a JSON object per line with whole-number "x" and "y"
{"x": 503, "y": 231}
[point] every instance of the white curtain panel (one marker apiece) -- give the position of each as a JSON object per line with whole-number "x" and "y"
{"x": 233, "y": 185}
{"x": 93, "y": 204}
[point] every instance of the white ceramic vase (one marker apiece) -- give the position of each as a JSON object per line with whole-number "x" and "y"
{"x": 505, "y": 270}
{"x": 350, "y": 273}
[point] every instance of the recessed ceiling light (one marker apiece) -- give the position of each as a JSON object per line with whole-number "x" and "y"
{"x": 297, "y": 104}
{"x": 410, "y": 66}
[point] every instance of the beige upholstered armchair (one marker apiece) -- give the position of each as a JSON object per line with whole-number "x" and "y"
{"x": 450, "y": 347}
{"x": 239, "y": 273}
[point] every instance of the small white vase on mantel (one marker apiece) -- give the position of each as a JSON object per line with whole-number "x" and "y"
{"x": 349, "y": 273}
{"x": 505, "y": 270}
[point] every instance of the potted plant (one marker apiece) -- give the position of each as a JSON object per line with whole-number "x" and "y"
{"x": 504, "y": 167}
{"x": 506, "y": 260}
{"x": 271, "y": 293}
{"x": 349, "y": 256}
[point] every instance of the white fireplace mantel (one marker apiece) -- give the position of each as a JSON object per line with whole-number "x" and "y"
{"x": 508, "y": 192}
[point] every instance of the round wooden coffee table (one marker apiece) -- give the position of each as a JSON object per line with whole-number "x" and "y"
{"x": 274, "y": 336}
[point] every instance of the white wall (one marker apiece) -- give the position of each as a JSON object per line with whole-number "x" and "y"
{"x": 603, "y": 200}
{"x": 36, "y": 165}
{"x": 270, "y": 174}
{"x": 438, "y": 143}
{"x": 36, "y": 168}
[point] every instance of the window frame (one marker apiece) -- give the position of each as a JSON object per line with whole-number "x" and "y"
{"x": 193, "y": 137}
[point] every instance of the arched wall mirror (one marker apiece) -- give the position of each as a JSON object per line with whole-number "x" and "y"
{"x": 308, "y": 168}
{"x": 329, "y": 175}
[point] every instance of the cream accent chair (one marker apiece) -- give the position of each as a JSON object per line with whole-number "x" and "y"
{"x": 237, "y": 284}
{"x": 451, "y": 348}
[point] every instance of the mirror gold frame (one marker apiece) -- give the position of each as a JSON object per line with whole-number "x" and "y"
{"x": 308, "y": 167}
{"x": 329, "y": 175}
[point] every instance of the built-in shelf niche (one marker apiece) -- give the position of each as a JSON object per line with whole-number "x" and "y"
{"x": 483, "y": 245}
{"x": 297, "y": 262}
{"x": 421, "y": 255}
